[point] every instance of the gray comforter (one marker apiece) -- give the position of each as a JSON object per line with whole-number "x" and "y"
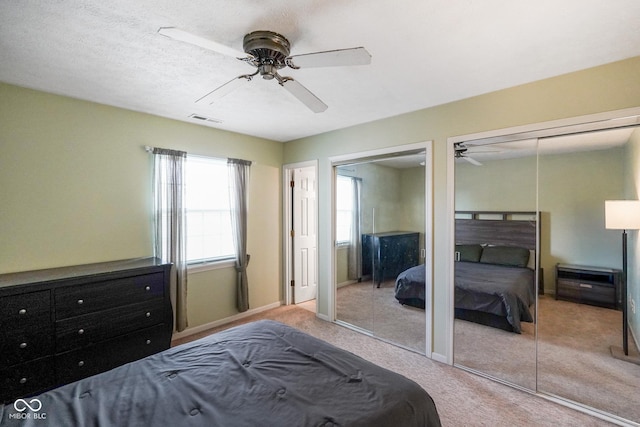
{"x": 496, "y": 289}
{"x": 260, "y": 374}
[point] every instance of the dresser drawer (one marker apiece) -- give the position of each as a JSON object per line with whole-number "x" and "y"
{"x": 25, "y": 310}
{"x": 26, "y": 379}
{"x": 91, "y": 360}
{"x": 94, "y": 327}
{"x": 77, "y": 300}
{"x": 17, "y": 346}
{"x": 26, "y": 326}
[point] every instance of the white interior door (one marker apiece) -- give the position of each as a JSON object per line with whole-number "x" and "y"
{"x": 304, "y": 235}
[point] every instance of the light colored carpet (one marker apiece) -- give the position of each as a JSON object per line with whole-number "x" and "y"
{"x": 573, "y": 353}
{"x": 376, "y": 310}
{"x": 462, "y": 399}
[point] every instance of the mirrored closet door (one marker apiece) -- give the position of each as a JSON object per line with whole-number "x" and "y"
{"x": 571, "y": 348}
{"x": 580, "y": 317}
{"x": 496, "y": 236}
{"x": 380, "y": 228}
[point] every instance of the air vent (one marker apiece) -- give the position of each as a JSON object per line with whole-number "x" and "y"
{"x": 204, "y": 118}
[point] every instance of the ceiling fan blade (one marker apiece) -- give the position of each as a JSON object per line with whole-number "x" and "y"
{"x": 472, "y": 161}
{"x": 224, "y": 90}
{"x": 304, "y": 95}
{"x": 331, "y": 58}
{"x": 183, "y": 36}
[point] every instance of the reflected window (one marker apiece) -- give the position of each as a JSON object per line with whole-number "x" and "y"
{"x": 344, "y": 208}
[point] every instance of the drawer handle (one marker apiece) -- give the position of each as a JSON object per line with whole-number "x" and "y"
{"x": 23, "y": 345}
{"x": 23, "y": 380}
{"x": 148, "y": 314}
{"x": 147, "y": 288}
{"x": 80, "y": 331}
{"x": 148, "y": 341}
{"x": 584, "y": 285}
{"x": 80, "y": 302}
{"x": 81, "y": 363}
{"x": 22, "y": 311}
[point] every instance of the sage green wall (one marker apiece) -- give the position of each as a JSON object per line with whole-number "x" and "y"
{"x": 75, "y": 186}
{"x": 398, "y": 198}
{"x": 412, "y": 192}
{"x": 571, "y": 191}
{"x": 342, "y": 265}
{"x": 609, "y": 87}
{"x": 632, "y": 192}
{"x": 505, "y": 185}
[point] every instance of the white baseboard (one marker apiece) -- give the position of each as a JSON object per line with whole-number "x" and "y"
{"x": 201, "y": 328}
{"x": 347, "y": 283}
{"x": 323, "y": 317}
{"x": 439, "y": 357}
{"x": 634, "y": 338}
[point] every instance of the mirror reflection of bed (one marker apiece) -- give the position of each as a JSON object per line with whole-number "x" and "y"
{"x": 494, "y": 295}
{"x": 495, "y": 288}
{"x": 566, "y": 354}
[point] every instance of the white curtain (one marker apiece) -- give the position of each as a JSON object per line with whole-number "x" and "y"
{"x": 170, "y": 226}
{"x": 239, "y": 200}
{"x": 355, "y": 244}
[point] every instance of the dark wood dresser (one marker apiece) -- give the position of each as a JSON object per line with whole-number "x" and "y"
{"x": 385, "y": 255}
{"x": 589, "y": 285}
{"x": 63, "y": 324}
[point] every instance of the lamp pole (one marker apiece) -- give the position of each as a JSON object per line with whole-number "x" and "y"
{"x": 625, "y": 343}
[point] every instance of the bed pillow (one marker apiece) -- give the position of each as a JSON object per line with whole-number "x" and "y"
{"x": 469, "y": 253}
{"x": 505, "y": 255}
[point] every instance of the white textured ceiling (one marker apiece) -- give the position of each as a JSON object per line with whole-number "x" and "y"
{"x": 424, "y": 53}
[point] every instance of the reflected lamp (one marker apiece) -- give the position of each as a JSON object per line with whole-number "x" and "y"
{"x": 623, "y": 215}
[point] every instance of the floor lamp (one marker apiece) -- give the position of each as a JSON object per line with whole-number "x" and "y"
{"x": 623, "y": 215}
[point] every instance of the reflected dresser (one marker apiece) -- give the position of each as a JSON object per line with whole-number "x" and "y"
{"x": 385, "y": 255}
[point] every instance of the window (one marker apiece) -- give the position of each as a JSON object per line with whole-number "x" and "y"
{"x": 344, "y": 209}
{"x": 209, "y": 235}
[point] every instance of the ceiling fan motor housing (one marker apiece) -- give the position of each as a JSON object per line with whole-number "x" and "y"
{"x": 270, "y": 51}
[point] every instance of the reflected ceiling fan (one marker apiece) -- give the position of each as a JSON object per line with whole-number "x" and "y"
{"x": 268, "y": 52}
{"x": 463, "y": 152}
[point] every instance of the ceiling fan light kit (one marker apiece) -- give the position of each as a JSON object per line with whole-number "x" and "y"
{"x": 268, "y": 52}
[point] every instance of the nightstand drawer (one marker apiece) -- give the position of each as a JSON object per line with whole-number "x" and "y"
{"x": 588, "y": 293}
{"x": 91, "y": 328}
{"x": 25, "y": 379}
{"x": 77, "y": 300}
{"x": 77, "y": 364}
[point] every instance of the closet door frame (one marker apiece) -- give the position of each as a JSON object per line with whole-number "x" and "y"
{"x": 581, "y": 124}
{"x": 427, "y": 146}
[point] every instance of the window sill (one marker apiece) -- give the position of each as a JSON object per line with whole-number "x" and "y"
{"x": 210, "y": 265}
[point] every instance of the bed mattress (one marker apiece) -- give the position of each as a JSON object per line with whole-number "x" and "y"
{"x": 259, "y": 374}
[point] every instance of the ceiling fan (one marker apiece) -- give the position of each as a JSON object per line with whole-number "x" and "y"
{"x": 268, "y": 52}
{"x": 462, "y": 152}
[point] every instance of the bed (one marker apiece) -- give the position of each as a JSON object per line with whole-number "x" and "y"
{"x": 262, "y": 373}
{"x": 494, "y": 270}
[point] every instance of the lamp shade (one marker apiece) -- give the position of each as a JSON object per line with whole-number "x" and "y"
{"x": 622, "y": 214}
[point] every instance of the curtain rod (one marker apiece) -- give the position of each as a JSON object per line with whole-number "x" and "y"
{"x": 149, "y": 149}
